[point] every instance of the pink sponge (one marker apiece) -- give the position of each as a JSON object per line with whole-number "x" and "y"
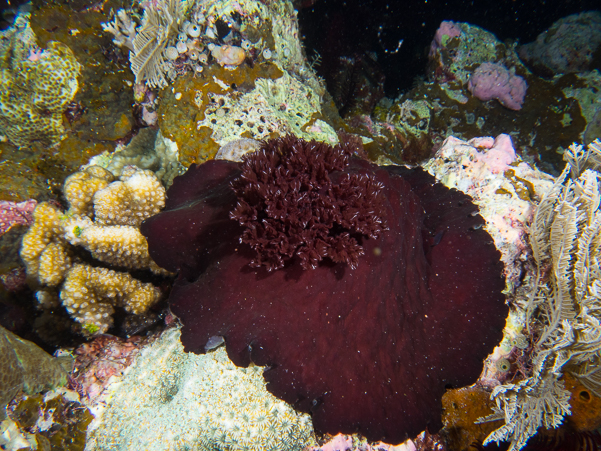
{"x": 495, "y": 81}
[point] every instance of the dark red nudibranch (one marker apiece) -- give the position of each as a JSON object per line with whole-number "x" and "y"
{"x": 366, "y": 291}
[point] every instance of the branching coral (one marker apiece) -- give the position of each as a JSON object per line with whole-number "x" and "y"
{"x": 386, "y": 330}
{"x": 102, "y": 218}
{"x": 566, "y": 295}
{"x": 123, "y": 28}
{"x": 90, "y": 295}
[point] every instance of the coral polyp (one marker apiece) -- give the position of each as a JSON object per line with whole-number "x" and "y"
{"x": 280, "y": 218}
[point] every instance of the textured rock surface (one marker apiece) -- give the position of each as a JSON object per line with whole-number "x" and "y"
{"x": 170, "y": 399}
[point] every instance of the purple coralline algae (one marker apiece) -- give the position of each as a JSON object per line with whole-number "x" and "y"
{"x": 495, "y": 81}
{"x": 16, "y": 213}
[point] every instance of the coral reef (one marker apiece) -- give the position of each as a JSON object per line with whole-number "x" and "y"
{"x": 25, "y": 367}
{"x": 226, "y": 407}
{"x": 562, "y": 304}
{"x": 178, "y": 37}
{"x": 506, "y": 190}
{"x": 101, "y": 110}
{"x": 568, "y": 46}
{"x": 503, "y": 187}
{"x": 39, "y": 84}
{"x": 99, "y": 114}
{"x": 224, "y": 60}
{"x": 336, "y": 337}
{"x": 554, "y": 114}
{"x": 103, "y": 218}
{"x": 458, "y": 48}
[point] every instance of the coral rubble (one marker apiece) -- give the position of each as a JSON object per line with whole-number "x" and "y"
{"x": 103, "y": 218}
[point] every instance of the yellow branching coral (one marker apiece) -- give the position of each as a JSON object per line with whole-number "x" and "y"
{"x": 54, "y": 263}
{"x": 46, "y": 228}
{"x": 116, "y": 245}
{"x": 79, "y": 189}
{"x": 90, "y": 295}
{"x": 103, "y": 218}
{"x": 138, "y": 193}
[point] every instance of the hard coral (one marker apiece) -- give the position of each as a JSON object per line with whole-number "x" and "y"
{"x": 103, "y": 219}
{"x": 170, "y": 399}
{"x": 38, "y": 90}
{"x": 291, "y": 206}
{"x": 368, "y": 349}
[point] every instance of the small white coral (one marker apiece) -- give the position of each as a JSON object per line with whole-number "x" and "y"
{"x": 122, "y": 28}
